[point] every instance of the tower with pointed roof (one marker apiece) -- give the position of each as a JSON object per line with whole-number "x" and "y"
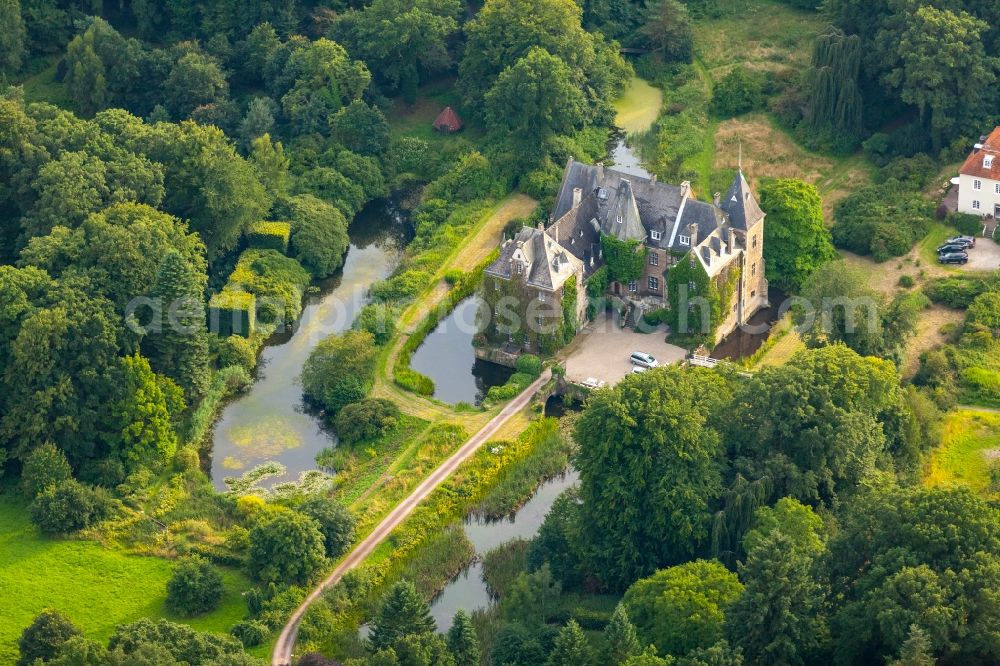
{"x": 747, "y": 221}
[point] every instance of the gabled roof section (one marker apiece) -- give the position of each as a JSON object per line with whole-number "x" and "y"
{"x": 622, "y": 221}
{"x": 976, "y": 163}
{"x": 741, "y": 205}
{"x": 546, "y": 264}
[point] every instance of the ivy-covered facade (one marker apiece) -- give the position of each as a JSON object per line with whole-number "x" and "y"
{"x": 654, "y": 246}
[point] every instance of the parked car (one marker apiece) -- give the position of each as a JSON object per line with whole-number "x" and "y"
{"x": 639, "y": 369}
{"x": 953, "y": 257}
{"x": 969, "y": 241}
{"x": 643, "y": 360}
{"x": 592, "y": 383}
{"x": 952, "y": 247}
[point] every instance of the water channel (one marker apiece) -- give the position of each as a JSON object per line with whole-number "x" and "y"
{"x": 448, "y": 358}
{"x": 271, "y": 422}
{"x": 468, "y": 590}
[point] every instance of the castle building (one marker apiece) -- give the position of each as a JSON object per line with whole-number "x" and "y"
{"x": 725, "y": 238}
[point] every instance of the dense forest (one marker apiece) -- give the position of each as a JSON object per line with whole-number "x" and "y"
{"x": 191, "y": 168}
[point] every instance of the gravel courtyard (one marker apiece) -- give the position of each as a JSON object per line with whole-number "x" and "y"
{"x": 602, "y": 349}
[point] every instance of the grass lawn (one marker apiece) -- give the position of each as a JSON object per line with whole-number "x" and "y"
{"x": 969, "y": 439}
{"x": 927, "y": 248}
{"x": 43, "y": 87}
{"x": 416, "y": 120}
{"x": 763, "y": 34}
{"x": 97, "y": 587}
{"x": 639, "y": 107}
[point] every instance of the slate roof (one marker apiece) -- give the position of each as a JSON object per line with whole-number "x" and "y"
{"x": 975, "y": 165}
{"x": 741, "y": 205}
{"x": 548, "y": 264}
{"x": 659, "y": 206}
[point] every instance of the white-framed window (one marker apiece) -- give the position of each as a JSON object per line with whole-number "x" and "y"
{"x": 654, "y": 283}
{"x": 632, "y": 286}
{"x": 654, "y": 259}
{"x": 975, "y": 204}
{"x": 619, "y": 219}
{"x": 977, "y": 184}
{"x": 541, "y": 296}
{"x": 692, "y": 286}
{"x": 685, "y": 240}
{"x": 996, "y": 188}
{"x": 988, "y": 161}
{"x": 520, "y": 267}
{"x": 655, "y": 235}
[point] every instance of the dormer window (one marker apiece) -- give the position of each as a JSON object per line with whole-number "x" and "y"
{"x": 988, "y": 161}
{"x": 619, "y": 219}
{"x": 655, "y": 235}
{"x": 685, "y": 240}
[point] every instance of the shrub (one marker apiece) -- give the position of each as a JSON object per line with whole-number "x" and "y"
{"x": 471, "y": 178}
{"x": 955, "y": 292}
{"x": 237, "y": 351}
{"x": 985, "y": 311}
{"x": 529, "y": 364}
{"x": 44, "y": 468}
{"x": 982, "y": 384}
{"x": 288, "y": 549}
{"x": 369, "y": 419}
{"x": 319, "y": 233}
{"x": 517, "y": 383}
{"x": 195, "y": 587}
{"x": 401, "y": 287}
{"x": 340, "y": 369}
{"x": 232, "y": 312}
{"x": 335, "y": 522}
{"x": 68, "y": 507}
{"x": 277, "y": 281}
{"x": 378, "y": 319}
{"x": 44, "y": 637}
{"x": 906, "y": 281}
{"x": 413, "y": 381}
{"x": 250, "y": 632}
{"x": 453, "y": 276}
{"x": 969, "y": 225}
{"x": 737, "y": 93}
{"x": 269, "y": 236}
{"x": 881, "y": 221}
{"x": 187, "y": 459}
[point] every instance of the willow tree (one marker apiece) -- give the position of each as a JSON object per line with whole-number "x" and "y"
{"x": 834, "y": 100}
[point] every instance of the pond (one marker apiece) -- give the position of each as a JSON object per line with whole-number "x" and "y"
{"x": 625, "y": 158}
{"x": 468, "y": 590}
{"x": 448, "y": 358}
{"x": 271, "y": 422}
{"x": 747, "y": 339}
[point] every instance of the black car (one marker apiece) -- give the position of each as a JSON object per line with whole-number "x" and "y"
{"x": 953, "y": 257}
{"x": 952, "y": 247}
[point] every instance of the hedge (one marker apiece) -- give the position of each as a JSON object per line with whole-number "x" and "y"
{"x": 232, "y": 312}
{"x": 269, "y": 236}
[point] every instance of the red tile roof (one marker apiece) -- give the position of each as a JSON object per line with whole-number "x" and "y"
{"x": 448, "y": 121}
{"x": 974, "y": 164}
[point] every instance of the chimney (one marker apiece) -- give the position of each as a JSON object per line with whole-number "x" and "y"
{"x": 717, "y": 198}
{"x": 685, "y": 189}
{"x": 732, "y": 240}
{"x": 652, "y": 179}
{"x": 577, "y": 196}
{"x": 541, "y": 226}
{"x": 693, "y": 232}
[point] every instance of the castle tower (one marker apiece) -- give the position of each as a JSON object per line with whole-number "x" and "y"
{"x": 747, "y": 220}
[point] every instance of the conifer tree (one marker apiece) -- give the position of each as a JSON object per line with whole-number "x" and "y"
{"x": 176, "y": 344}
{"x": 403, "y": 613}
{"x": 12, "y": 44}
{"x": 620, "y": 641}
{"x": 571, "y": 647}
{"x": 462, "y": 640}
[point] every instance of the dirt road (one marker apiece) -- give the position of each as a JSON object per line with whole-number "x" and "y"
{"x": 282, "y": 655}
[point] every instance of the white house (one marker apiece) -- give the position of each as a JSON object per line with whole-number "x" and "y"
{"x": 979, "y": 178}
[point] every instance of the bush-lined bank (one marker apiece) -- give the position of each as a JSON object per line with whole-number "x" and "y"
{"x": 333, "y": 623}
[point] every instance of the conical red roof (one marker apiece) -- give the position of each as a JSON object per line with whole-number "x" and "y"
{"x": 448, "y": 121}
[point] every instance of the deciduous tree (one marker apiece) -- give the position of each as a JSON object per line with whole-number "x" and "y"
{"x": 288, "y": 549}
{"x": 796, "y": 241}
{"x": 45, "y": 636}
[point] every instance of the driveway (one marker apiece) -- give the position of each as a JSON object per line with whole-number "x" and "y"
{"x": 985, "y": 256}
{"x": 601, "y": 350}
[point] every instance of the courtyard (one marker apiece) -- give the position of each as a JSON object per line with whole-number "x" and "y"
{"x": 601, "y": 351}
